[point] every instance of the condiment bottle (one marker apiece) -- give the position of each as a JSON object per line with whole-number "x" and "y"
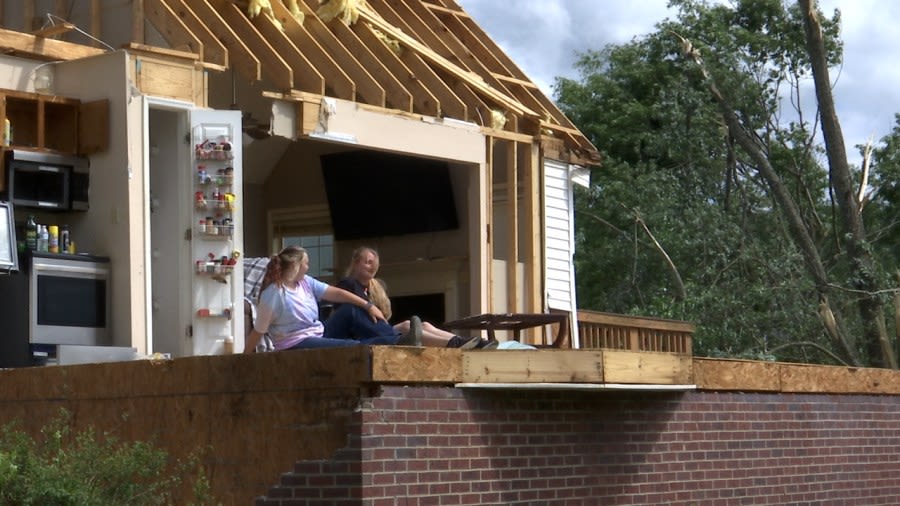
{"x": 64, "y": 239}
{"x": 31, "y": 233}
{"x": 53, "y": 239}
{"x": 43, "y": 238}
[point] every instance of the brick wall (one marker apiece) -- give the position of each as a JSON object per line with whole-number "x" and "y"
{"x": 435, "y": 446}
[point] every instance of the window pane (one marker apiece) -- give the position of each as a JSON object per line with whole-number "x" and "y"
{"x": 320, "y": 249}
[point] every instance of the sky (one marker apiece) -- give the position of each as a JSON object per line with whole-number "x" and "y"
{"x": 543, "y": 37}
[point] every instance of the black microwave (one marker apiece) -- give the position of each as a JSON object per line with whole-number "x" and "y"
{"x": 47, "y": 181}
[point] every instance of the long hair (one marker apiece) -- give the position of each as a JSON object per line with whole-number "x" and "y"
{"x": 378, "y": 295}
{"x": 280, "y": 263}
{"x": 377, "y": 288}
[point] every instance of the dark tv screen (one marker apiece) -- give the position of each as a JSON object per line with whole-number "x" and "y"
{"x": 373, "y": 194}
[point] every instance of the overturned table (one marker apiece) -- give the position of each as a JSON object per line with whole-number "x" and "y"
{"x": 515, "y": 322}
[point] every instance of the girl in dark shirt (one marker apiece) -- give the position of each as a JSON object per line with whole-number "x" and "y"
{"x": 360, "y": 279}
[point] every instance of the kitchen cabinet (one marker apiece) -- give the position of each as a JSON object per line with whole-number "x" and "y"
{"x": 54, "y": 124}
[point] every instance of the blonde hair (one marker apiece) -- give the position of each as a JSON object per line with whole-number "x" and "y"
{"x": 378, "y": 295}
{"x": 378, "y": 288}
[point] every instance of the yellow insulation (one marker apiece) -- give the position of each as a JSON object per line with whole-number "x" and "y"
{"x": 392, "y": 44}
{"x": 257, "y": 7}
{"x": 345, "y": 10}
{"x": 498, "y": 119}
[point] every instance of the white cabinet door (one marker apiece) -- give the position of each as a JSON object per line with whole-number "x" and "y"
{"x": 216, "y": 231}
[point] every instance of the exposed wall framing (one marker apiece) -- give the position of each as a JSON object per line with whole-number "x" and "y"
{"x": 446, "y": 65}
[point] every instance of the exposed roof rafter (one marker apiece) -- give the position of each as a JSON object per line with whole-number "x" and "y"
{"x": 447, "y": 65}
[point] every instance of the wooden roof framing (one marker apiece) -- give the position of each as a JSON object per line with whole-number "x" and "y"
{"x": 447, "y": 65}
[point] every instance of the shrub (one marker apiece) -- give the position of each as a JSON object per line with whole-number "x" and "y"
{"x": 62, "y": 468}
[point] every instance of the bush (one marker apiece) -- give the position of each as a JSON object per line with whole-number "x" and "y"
{"x": 62, "y": 468}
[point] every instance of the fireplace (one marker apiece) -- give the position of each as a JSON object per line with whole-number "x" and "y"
{"x": 434, "y": 290}
{"x": 429, "y": 307}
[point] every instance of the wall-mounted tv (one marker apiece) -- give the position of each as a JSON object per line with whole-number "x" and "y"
{"x": 9, "y": 256}
{"x": 375, "y": 194}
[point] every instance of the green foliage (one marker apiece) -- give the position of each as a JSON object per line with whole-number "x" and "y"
{"x": 62, "y": 468}
{"x": 671, "y": 169}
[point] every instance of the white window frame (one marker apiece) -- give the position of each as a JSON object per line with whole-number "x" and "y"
{"x": 310, "y": 220}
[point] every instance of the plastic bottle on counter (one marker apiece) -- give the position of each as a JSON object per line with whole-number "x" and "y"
{"x": 7, "y": 132}
{"x": 64, "y": 239}
{"x": 31, "y": 233}
{"x": 53, "y": 239}
{"x": 43, "y": 240}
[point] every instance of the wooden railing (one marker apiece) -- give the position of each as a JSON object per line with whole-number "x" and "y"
{"x": 634, "y": 333}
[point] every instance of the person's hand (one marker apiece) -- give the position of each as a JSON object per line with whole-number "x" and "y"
{"x": 374, "y": 313}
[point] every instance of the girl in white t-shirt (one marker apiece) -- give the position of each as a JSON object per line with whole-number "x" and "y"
{"x": 288, "y": 310}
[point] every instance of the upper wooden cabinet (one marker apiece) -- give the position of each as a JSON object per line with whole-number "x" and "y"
{"x": 57, "y": 124}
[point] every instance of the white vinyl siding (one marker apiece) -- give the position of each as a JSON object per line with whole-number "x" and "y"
{"x": 558, "y": 212}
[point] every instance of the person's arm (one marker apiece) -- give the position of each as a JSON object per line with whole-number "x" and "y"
{"x": 265, "y": 312}
{"x": 251, "y": 341}
{"x": 341, "y": 296}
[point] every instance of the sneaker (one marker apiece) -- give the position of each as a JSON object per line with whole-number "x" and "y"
{"x": 413, "y": 336}
{"x": 489, "y": 345}
{"x": 471, "y": 343}
{"x": 463, "y": 343}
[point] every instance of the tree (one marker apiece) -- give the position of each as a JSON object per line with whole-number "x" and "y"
{"x": 689, "y": 118}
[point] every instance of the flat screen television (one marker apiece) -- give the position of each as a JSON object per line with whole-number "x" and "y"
{"x": 9, "y": 256}
{"x": 375, "y": 194}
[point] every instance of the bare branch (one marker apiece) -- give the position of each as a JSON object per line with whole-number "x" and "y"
{"x": 811, "y": 345}
{"x": 679, "y": 283}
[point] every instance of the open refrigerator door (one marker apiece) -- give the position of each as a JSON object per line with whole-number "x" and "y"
{"x": 216, "y": 233}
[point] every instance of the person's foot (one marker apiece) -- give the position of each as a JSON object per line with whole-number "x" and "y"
{"x": 488, "y": 345}
{"x": 471, "y": 343}
{"x": 463, "y": 343}
{"x": 413, "y": 336}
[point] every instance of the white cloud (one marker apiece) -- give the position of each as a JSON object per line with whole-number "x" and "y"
{"x": 543, "y": 36}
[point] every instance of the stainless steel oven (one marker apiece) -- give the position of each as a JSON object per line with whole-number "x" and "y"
{"x": 56, "y": 299}
{"x": 69, "y": 300}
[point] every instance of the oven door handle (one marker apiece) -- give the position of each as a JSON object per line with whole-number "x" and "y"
{"x": 68, "y": 269}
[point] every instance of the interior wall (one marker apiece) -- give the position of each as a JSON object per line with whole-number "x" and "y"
{"x": 255, "y": 233}
{"x": 169, "y": 250}
{"x": 296, "y": 180}
{"x": 17, "y": 73}
{"x": 113, "y": 226}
